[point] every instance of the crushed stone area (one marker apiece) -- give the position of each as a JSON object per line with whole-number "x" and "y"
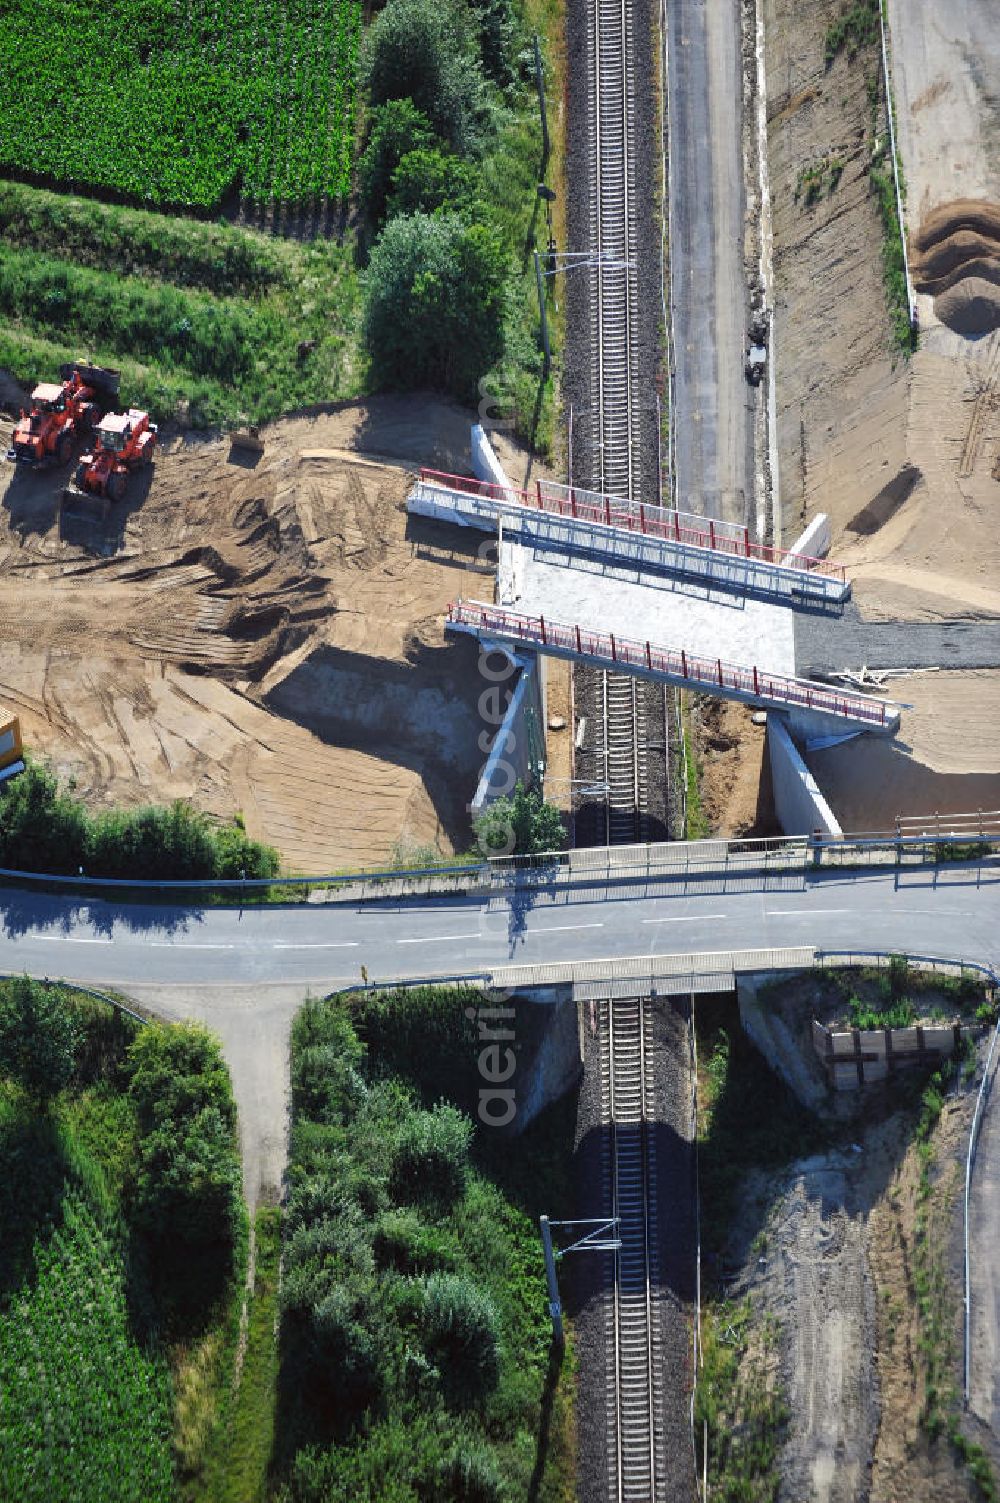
{"x": 834, "y": 1248}
{"x": 263, "y": 637}
{"x": 814, "y": 1273}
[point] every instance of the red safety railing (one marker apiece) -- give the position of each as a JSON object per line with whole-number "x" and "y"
{"x": 662, "y": 522}
{"x": 709, "y": 673}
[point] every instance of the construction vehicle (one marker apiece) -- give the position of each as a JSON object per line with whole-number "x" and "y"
{"x": 246, "y": 440}
{"x": 124, "y": 441}
{"x": 61, "y": 412}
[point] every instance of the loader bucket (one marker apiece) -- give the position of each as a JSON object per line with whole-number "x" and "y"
{"x": 83, "y": 505}
{"x": 102, "y": 378}
{"x": 247, "y": 439}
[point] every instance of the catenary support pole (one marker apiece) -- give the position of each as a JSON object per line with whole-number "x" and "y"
{"x": 555, "y": 1305}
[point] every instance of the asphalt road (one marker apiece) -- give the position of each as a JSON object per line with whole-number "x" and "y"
{"x": 948, "y": 911}
{"x": 712, "y": 431}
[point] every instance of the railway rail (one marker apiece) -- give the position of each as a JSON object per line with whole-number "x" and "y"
{"x": 635, "y": 1369}
{"x": 627, "y": 710}
{"x": 614, "y": 238}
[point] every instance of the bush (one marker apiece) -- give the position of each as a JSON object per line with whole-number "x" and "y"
{"x": 462, "y": 1334}
{"x": 523, "y": 824}
{"x": 436, "y": 296}
{"x": 326, "y": 1056}
{"x": 188, "y": 1183}
{"x": 342, "y": 1353}
{"x": 44, "y": 829}
{"x": 40, "y": 826}
{"x": 428, "y": 179}
{"x": 497, "y": 30}
{"x": 417, "y": 50}
{"x": 39, "y": 1037}
{"x": 471, "y": 1475}
{"x": 177, "y": 1071}
{"x": 186, "y": 1201}
{"x": 406, "y": 1243}
{"x": 430, "y": 1160}
{"x": 396, "y": 128}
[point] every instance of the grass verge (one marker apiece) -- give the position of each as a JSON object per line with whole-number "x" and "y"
{"x": 940, "y": 1414}
{"x": 235, "y": 1467}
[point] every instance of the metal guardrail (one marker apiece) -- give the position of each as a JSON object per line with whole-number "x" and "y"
{"x": 666, "y": 524}
{"x": 606, "y": 649}
{"x": 588, "y": 531}
{"x": 694, "y": 858}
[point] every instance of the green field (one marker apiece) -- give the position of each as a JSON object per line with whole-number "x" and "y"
{"x": 121, "y": 1244}
{"x": 205, "y": 321}
{"x": 110, "y": 169}
{"x": 182, "y": 102}
{"x": 86, "y": 1411}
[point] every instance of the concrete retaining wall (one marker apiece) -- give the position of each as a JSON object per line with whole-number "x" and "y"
{"x": 815, "y": 541}
{"x": 862, "y": 1056}
{"x": 798, "y": 803}
{"x": 485, "y": 464}
{"x": 511, "y": 758}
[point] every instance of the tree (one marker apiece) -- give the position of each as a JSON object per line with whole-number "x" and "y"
{"x": 436, "y": 301}
{"x": 428, "y": 179}
{"x": 522, "y": 824}
{"x": 39, "y": 1037}
{"x": 40, "y": 827}
{"x": 395, "y": 129}
{"x": 419, "y": 50}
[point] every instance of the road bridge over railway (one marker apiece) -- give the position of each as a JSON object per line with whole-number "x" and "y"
{"x": 952, "y": 909}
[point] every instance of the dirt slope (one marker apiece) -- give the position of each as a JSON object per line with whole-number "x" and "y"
{"x": 265, "y": 638}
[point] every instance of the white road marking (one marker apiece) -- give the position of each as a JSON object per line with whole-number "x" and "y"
{"x": 178, "y": 944}
{"x": 73, "y": 939}
{"x": 342, "y": 944}
{"x": 692, "y": 918}
{"x": 801, "y": 912}
{"x": 561, "y": 928}
{"x": 439, "y": 939}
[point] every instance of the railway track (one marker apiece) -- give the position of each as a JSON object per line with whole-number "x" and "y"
{"x": 625, "y": 709}
{"x": 635, "y": 1369}
{"x": 614, "y": 237}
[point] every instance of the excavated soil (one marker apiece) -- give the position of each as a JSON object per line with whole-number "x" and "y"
{"x": 956, "y": 261}
{"x": 257, "y": 636}
{"x": 903, "y": 456}
{"x": 735, "y": 782}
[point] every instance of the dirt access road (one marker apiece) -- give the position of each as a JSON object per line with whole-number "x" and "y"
{"x": 257, "y": 637}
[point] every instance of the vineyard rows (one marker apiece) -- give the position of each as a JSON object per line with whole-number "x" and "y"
{"x": 86, "y": 1412}
{"x": 179, "y": 102}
